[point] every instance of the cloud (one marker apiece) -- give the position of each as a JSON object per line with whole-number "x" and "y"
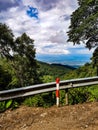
{"x": 65, "y": 17}
{"x": 53, "y": 50}
{"x": 6, "y": 4}
{"x": 58, "y": 37}
{"x": 84, "y": 51}
{"x": 46, "y": 5}
{"x": 45, "y": 21}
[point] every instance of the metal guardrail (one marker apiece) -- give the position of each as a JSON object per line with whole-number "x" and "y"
{"x": 47, "y": 87}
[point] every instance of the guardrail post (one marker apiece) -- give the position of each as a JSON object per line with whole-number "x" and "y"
{"x": 66, "y": 96}
{"x": 57, "y": 91}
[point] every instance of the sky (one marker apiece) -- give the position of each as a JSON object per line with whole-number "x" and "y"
{"x": 47, "y": 22}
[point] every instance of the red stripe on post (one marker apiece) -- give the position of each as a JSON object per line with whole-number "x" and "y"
{"x": 57, "y": 80}
{"x": 57, "y": 93}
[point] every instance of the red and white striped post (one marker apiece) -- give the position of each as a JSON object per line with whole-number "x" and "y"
{"x": 57, "y": 91}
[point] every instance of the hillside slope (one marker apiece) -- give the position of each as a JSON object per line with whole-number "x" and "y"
{"x": 86, "y": 70}
{"x": 73, "y": 117}
{"x": 55, "y": 70}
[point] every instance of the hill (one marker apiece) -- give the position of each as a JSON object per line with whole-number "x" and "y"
{"x": 55, "y": 70}
{"x": 73, "y": 117}
{"x": 64, "y": 66}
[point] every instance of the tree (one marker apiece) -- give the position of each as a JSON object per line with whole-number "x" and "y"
{"x": 6, "y": 41}
{"x": 24, "y": 61}
{"x": 21, "y": 54}
{"x": 95, "y": 60}
{"x": 84, "y": 24}
{"x": 25, "y": 47}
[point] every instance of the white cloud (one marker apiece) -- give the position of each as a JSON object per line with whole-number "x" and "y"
{"x": 53, "y": 49}
{"x": 84, "y": 51}
{"x": 49, "y": 31}
{"x": 58, "y": 37}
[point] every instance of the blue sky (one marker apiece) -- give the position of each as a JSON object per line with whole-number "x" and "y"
{"x": 45, "y": 21}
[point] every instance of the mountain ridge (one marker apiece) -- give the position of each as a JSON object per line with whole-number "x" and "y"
{"x": 54, "y": 70}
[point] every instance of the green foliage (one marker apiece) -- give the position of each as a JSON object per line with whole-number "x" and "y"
{"x": 8, "y": 78}
{"x": 5, "y": 78}
{"x": 15, "y": 104}
{"x": 33, "y": 101}
{"x": 47, "y": 78}
{"x": 22, "y": 61}
{"x": 95, "y": 60}
{"x": 52, "y": 71}
{"x": 43, "y": 100}
{"x": 8, "y": 104}
{"x": 78, "y": 95}
{"x": 25, "y": 48}
{"x": 84, "y": 24}
{"x": 6, "y": 41}
{"x": 62, "y": 97}
{"x": 94, "y": 93}
{"x": 4, "y": 105}
{"x": 49, "y": 99}
{"x": 84, "y": 71}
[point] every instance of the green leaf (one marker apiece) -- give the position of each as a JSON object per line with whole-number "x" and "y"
{"x": 89, "y": 1}
{"x": 8, "y": 104}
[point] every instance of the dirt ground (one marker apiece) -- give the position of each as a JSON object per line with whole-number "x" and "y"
{"x": 72, "y": 117}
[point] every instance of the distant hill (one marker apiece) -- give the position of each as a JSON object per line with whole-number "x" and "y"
{"x": 65, "y": 66}
{"x": 55, "y": 70}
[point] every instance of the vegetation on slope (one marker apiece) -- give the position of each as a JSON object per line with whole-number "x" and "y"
{"x": 84, "y": 93}
{"x": 49, "y": 72}
{"x": 86, "y": 70}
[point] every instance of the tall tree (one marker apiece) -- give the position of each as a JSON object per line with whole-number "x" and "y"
{"x": 24, "y": 61}
{"x": 84, "y": 24}
{"x": 21, "y": 53}
{"x": 6, "y": 41}
{"x": 25, "y": 47}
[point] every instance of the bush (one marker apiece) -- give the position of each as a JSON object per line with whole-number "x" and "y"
{"x": 41, "y": 100}
{"x": 78, "y": 95}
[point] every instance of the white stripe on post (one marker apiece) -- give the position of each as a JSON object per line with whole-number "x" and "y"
{"x": 57, "y": 91}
